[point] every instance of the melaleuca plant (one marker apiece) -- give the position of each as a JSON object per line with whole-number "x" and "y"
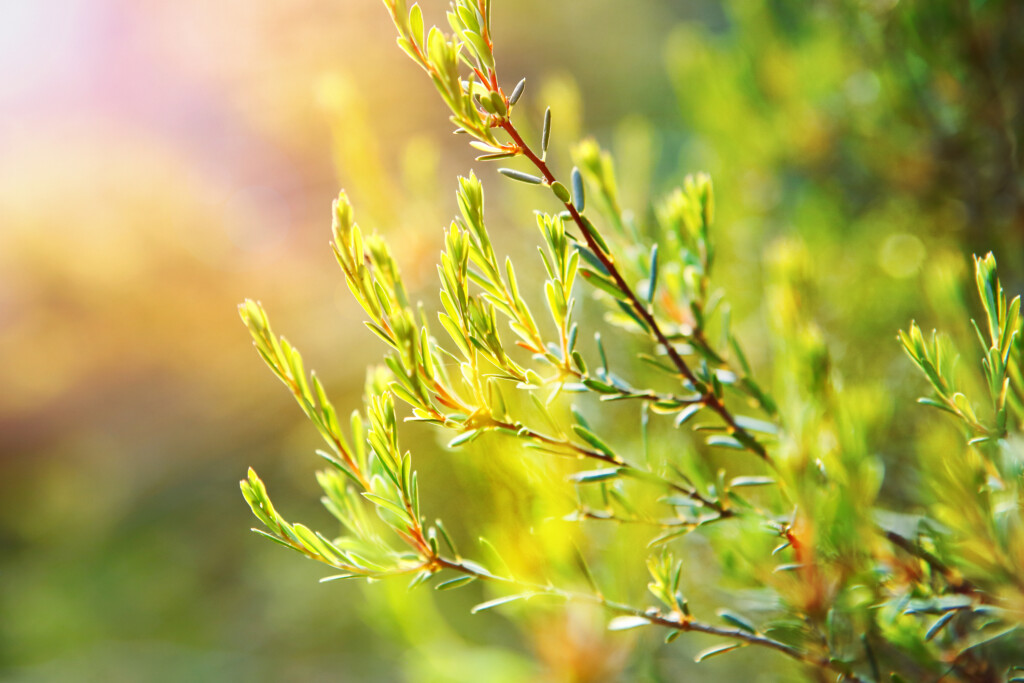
{"x": 785, "y": 490}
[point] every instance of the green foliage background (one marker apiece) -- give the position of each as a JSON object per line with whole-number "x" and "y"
{"x": 860, "y": 150}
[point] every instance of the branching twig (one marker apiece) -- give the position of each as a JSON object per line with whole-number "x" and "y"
{"x": 674, "y": 621}
{"x": 708, "y": 397}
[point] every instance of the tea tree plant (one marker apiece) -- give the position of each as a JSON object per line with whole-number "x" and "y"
{"x": 785, "y": 490}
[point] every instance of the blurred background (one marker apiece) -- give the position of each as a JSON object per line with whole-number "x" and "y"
{"x": 159, "y": 162}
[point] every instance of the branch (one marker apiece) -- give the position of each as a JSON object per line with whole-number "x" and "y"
{"x": 956, "y": 583}
{"x": 674, "y": 621}
{"x": 708, "y": 397}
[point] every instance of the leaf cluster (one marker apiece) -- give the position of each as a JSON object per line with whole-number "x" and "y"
{"x": 787, "y": 491}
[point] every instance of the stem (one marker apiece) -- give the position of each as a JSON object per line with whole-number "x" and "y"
{"x": 588, "y": 513}
{"x": 674, "y": 620}
{"x": 709, "y": 399}
{"x": 338, "y": 445}
{"x": 524, "y": 431}
{"x": 955, "y": 582}
{"x": 537, "y": 345}
{"x": 692, "y": 493}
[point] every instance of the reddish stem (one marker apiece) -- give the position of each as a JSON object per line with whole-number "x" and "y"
{"x": 709, "y": 398}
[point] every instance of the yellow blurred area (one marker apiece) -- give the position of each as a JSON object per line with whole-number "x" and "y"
{"x": 167, "y": 159}
{"x": 159, "y": 162}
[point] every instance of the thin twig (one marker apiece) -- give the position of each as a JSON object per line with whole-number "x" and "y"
{"x": 673, "y": 621}
{"x": 578, "y": 450}
{"x": 956, "y": 583}
{"x": 709, "y": 398}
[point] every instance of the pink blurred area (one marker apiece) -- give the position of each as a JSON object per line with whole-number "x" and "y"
{"x": 160, "y": 161}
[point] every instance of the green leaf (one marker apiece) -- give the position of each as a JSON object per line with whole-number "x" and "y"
{"x": 632, "y": 314}
{"x": 670, "y": 535}
{"x": 750, "y": 481}
{"x": 939, "y": 623}
{"x": 936, "y": 404}
{"x": 481, "y": 50}
{"x": 419, "y": 579}
{"x": 310, "y": 540}
{"x": 496, "y": 157}
{"x": 715, "y": 651}
{"x": 273, "y": 538}
{"x": 687, "y": 412}
{"x": 447, "y": 538}
{"x": 579, "y": 198}
{"x": 520, "y": 176}
{"x": 652, "y": 280}
{"x": 464, "y": 437}
{"x": 454, "y": 332}
{"x": 724, "y": 441}
{"x": 498, "y": 102}
{"x": 752, "y": 425}
{"x": 517, "y": 92}
{"x": 545, "y": 132}
{"x": 416, "y": 24}
{"x": 338, "y": 577}
{"x": 561, "y": 192}
{"x": 500, "y": 601}
{"x": 599, "y": 386}
{"x": 627, "y": 622}
{"x": 593, "y": 232}
{"x": 406, "y": 395}
{"x": 382, "y": 502}
{"x": 677, "y": 500}
{"x": 602, "y": 283}
{"x": 585, "y": 568}
{"x": 581, "y": 365}
{"x": 591, "y": 476}
{"x": 738, "y": 621}
{"x": 484, "y": 147}
{"x": 592, "y": 439}
{"x": 454, "y": 583}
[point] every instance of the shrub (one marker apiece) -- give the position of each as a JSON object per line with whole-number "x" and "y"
{"x": 781, "y": 488}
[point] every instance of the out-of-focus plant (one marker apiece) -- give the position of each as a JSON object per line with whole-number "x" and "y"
{"x": 785, "y": 490}
{"x": 882, "y": 133}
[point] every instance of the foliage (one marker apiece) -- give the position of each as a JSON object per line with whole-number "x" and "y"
{"x": 785, "y": 489}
